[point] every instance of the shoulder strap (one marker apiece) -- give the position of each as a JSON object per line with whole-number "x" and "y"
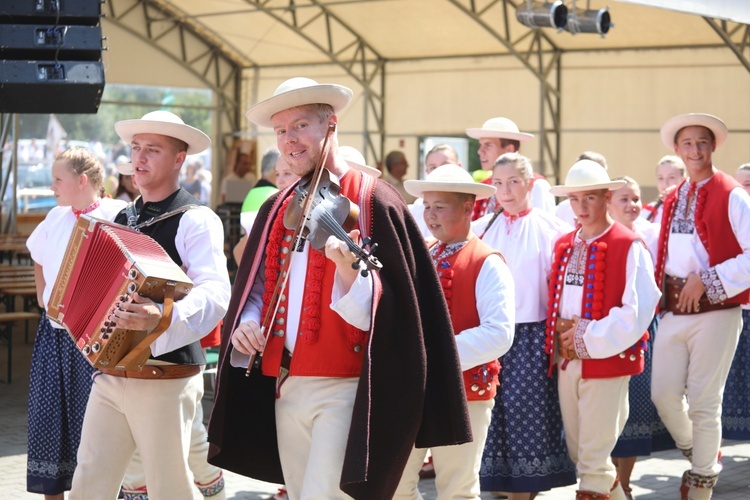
{"x": 131, "y": 213}
{"x": 154, "y": 220}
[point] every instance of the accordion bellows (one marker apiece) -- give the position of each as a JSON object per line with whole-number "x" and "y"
{"x": 104, "y": 263}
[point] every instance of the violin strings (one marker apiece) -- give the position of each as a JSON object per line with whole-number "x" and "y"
{"x": 333, "y": 225}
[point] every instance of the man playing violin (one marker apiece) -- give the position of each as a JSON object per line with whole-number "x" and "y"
{"x": 355, "y": 367}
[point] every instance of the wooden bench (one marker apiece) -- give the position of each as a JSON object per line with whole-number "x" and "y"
{"x": 27, "y": 293}
{"x": 7, "y": 321}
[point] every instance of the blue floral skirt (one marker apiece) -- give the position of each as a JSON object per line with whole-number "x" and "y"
{"x": 735, "y": 410}
{"x": 644, "y": 431}
{"x": 525, "y": 450}
{"x": 59, "y": 388}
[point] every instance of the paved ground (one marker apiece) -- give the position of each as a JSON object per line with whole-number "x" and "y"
{"x": 654, "y": 478}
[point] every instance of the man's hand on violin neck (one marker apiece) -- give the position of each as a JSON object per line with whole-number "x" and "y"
{"x": 338, "y": 251}
{"x": 248, "y": 339}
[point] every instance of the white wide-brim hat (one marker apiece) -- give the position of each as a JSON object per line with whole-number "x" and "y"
{"x": 164, "y": 123}
{"x": 355, "y": 160}
{"x": 449, "y": 178}
{"x": 676, "y": 123}
{"x": 298, "y": 92}
{"x": 502, "y": 128}
{"x": 586, "y": 175}
{"x": 125, "y": 168}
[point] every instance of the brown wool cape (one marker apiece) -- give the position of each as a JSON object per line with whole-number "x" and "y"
{"x": 410, "y": 388}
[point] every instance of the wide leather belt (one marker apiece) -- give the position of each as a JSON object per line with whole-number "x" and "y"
{"x": 672, "y": 288}
{"x": 563, "y": 325}
{"x": 163, "y": 372}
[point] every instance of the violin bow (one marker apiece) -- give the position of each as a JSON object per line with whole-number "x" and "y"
{"x": 281, "y": 282}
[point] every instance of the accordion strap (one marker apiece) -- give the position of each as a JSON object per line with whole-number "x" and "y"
{"x": 138, "y": 356}
{"x": 132, "y": 214}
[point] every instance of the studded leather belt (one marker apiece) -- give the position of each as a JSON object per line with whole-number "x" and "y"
{"x": 672, "y": 288}
{"x": 163, "y": 372}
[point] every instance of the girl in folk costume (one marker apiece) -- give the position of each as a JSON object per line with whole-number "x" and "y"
{"x": 735, "y": 409}
{"x": 525, "y": 452}
{"x": 644, "y": 431}
{"x": 60, "y": 379}
{"x": 478, "y": 289}
{"x": 670, "y": 171}
{"x": 602, "y": 297}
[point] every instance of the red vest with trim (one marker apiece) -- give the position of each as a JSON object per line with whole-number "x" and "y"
{"x": 336, "y": 349}
{"x": 603, "y": 287}
{"x": 711, "y": 223}
{"x": 458, "y": 276}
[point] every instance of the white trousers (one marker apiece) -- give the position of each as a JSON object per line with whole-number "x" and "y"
{"x": 203, "y": 472}
{"x": 153, "y": 415}
{"x": 456, "y": 467}
{"x": 313, "y": 416}
{"x": 691, "y": 361}
{"x": 594, "y": 412}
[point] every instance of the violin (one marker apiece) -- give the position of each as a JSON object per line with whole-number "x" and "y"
{"x": 315, "y": 218}
{"x": 331, "y": 214}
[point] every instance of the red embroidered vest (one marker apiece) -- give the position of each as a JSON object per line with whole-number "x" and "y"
{"x": 458, "y": 275}
{"x": 326, "y": 345}
{"x": 712, "y": 204}
{"x": 603, "y": 287}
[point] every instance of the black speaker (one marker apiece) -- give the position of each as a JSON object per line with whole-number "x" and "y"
{"x": 86, "y": 12}
{"x": 50, "y": 56}
{"x": 50, "y": 87}
{"x": 35, "y": 41}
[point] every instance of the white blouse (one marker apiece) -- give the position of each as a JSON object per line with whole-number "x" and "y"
{"x": 48, "y": 242}
{"x": 527, "y": 243}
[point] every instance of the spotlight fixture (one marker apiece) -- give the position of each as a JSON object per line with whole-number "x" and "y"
{"x": 543, "y": 15}
{"x": 589, "y": 21}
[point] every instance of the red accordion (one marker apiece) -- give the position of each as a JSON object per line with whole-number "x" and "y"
{"x": 103, "y": 264}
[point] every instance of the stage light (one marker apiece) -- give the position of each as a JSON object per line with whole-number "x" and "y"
{"x": 589, "y": 21}
{"x": 543, "y": 15}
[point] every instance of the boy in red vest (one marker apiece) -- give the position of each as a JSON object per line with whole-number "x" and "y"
{"x": 602, "y": 299}
{"x": 478, "y": 288}
{"x": 704, "y": 265}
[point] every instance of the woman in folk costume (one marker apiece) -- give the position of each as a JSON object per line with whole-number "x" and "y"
{"x": 670, "y": 171}
{"x": 602, "y": 296}
{"x": 60, "y": 375}
{"x": 525, "y": 452}
{"x": 478, "y": 288}
{"x": 644, "y": 431}
{"x": 735, "y": 409}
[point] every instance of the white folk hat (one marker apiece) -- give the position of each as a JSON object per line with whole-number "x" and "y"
{"x": 502, "y": 128}
{"x": 298, "y": 92}
{"x": 123, "y": 165}
{"x": 164, "y": 123}
{"x": 670, "y": 129}
{"x": 586, "y": 175}
{"x": 449, "y": 178}
{"x": 355, "y": 160}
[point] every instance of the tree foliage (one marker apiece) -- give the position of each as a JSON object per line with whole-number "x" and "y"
{"x": 123, "y": 102}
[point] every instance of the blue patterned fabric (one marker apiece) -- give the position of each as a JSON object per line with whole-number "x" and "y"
{"x": 644, "y": 431}
{"x": 58, "y": 392}
{"x": 525, "y": 448}
{"x": 735, "y": 410}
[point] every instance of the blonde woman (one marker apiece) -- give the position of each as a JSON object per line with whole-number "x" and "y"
{"x": 525, "y": 452}
{"x": 60, "y": 375}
